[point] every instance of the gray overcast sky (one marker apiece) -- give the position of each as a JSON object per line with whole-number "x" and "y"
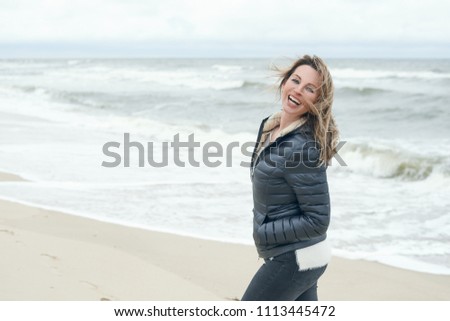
{"x": 230, "y": 28}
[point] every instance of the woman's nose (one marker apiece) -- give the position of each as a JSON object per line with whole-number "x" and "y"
{"x": 299, "y": 89}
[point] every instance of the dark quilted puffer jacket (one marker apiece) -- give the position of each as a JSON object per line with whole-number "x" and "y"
{"x": 290, "y": 193}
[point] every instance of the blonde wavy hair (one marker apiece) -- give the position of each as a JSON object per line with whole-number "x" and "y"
{"x": 319, "y": 114}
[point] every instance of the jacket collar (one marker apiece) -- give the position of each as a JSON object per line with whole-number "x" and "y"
{"x": 268, "y": 124}
{"x": 274, "y": 121}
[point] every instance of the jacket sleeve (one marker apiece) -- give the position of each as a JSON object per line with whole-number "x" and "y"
{"x": 309, "y": 183}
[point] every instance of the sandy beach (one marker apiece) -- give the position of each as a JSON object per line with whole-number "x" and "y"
{"x": 49, "y": 255}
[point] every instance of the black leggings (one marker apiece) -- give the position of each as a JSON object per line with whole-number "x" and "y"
{"x": 279, "y": 279}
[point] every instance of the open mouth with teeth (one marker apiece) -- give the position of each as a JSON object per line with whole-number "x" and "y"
{"x": 294, "y": 101}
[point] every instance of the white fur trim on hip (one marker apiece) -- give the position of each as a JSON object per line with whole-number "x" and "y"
{"x": 314, "y": 256}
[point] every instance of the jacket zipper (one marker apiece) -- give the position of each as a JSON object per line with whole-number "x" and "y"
{"x": 258, "y": 138}
{"x": 264, "y": 150}
{"x": 255, "y": 162}
{"x": 259, "y": 156}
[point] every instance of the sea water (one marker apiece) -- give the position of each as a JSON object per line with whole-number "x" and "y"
{"x": 390, "y": 189}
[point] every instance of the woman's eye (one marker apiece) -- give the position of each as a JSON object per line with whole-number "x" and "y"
{"x": 295, "y": 81}
{"x": 310, "y": 90}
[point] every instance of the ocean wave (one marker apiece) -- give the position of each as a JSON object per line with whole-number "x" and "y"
{"x": 81, "y": 99}
{"x": 351, "y": 73}
{"x": 227, "y": 68}
{"x": 40, "y": 91}
{"x": 76, "y": 97}
{"x": 73, "y": 98}
{"x": 389, "y": 161}
{"x": 254, "y": 84}
{"x": 363, "y": 91}
{"x": 189, "y": 78}
{"x": 73, "y": 62}
{"x": 58, "y": 106}
{"x": 244, "y": 84}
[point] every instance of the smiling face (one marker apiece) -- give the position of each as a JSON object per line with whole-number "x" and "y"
{"x": 303, "y": 85}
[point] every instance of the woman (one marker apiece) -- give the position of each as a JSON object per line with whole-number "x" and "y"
{"x": 290, "y": 190}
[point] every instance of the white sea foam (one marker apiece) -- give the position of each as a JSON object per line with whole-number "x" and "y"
{"x": 396, "y": 261}
{"x": 352, "y": 73}
{"x": 227, "y": 68}
{"x": 180, "y": 78}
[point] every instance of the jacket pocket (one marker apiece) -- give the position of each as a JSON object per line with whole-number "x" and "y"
{"x": 258, "y": 218}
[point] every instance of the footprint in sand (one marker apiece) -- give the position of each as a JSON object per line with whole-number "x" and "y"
{"x": 7, "y": 232}
{"x": 92, "y": 285}
{"x": 53, "y": 259}
{"x": 96, "y": 287}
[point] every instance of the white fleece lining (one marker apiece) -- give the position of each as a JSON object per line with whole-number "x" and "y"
{"x": 270, "y": 124}
{"x": 313, "y": 256}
